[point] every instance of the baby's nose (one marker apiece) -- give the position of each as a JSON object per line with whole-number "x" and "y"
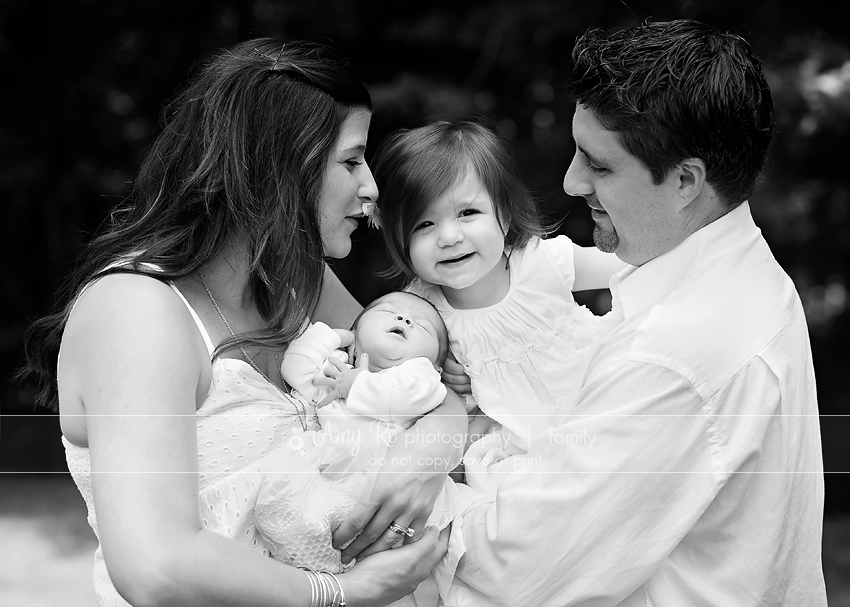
{"x": 403, "y": 319}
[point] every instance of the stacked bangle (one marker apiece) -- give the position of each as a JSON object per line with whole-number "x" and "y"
{"x": 325, "y": 589}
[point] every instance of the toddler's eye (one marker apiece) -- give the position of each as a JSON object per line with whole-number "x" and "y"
{"x": 422, "y": 225}
{"x": 469, "y": 211}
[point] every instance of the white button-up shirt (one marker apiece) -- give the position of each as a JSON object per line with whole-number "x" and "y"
{"x": 686, "y": 469}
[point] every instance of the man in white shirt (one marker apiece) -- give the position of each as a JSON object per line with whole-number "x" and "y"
{"x": 700, "y": 481}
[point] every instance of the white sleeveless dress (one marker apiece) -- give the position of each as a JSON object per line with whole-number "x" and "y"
{"x": 250, "y": 443}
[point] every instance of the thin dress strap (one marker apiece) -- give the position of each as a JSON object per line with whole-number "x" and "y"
{"x": 156, "y": 268}
{"x": 201, "y": 327}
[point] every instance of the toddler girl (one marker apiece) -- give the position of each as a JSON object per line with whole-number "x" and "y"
{"x": 456, "y": 220}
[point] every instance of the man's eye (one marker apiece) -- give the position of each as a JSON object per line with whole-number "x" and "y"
{"x": 594, "y": 168}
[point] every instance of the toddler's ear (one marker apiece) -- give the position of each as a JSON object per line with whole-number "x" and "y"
{"x": 438, "y": 368}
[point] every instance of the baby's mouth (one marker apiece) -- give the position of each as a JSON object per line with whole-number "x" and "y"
{"x": 398, "y": 330}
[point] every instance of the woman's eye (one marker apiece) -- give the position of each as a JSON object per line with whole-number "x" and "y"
{"x": 353, "y": 163}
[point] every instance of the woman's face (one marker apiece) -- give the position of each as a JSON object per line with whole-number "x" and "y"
{"x": 348, "y": 184}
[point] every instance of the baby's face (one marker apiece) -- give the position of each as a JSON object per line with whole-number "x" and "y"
{"x": 395, "y": 328}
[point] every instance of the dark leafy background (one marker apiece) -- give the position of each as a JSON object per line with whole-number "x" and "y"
{"x": 83, "y": 84}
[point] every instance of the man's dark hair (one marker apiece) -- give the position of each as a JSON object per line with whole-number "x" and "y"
{"x": 678, "y": 90}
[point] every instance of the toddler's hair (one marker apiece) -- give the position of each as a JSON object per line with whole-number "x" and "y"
{"x": 442, "y": 329}
{"x": 414, "y": 167}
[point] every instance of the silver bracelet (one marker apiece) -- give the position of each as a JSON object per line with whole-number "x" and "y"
{"x": 314, "y": 590}
{"x": 322, "y": 590}
{"x": 341, "y": 602}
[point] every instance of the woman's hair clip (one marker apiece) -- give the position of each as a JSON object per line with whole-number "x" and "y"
{"x": 274, "y": 66}
{"x": 373, "y": 217}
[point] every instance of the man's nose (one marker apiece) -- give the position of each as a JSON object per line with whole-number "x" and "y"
{"x": 575, "y": 183}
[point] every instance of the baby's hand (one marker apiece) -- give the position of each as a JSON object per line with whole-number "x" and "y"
{"x": 343, "y": 378}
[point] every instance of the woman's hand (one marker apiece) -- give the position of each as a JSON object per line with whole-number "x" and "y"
{"x": 408, "y": 483}
{"x": 388, "y": 576}
{"x": 455, "y": 377}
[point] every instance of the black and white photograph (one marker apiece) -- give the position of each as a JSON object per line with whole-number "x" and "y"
{"x": 364, "y": 303}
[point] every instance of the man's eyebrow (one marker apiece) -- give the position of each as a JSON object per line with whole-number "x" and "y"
{"x": 593, "y": 159}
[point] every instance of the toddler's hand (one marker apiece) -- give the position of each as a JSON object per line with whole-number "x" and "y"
{"x": 455, "y": 377}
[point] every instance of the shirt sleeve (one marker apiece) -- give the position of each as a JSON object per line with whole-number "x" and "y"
{"x": 560, "y": 251}
{"x": 399, "y": 394}
{"x": 305, "y": 357}
{"x": 603, "y": 497}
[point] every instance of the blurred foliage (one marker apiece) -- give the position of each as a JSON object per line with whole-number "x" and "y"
{"x": 85, "y": 81}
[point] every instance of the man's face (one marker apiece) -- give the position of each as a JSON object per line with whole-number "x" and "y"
{"x": 635, "y": 218}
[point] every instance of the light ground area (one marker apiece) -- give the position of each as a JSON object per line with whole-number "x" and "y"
{"x": 46, "y": 546}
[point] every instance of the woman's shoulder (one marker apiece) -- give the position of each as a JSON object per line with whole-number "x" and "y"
{"x": 125, "y": 306}
{"x": 118, "y": 293}
{"x": 130, "y": 334}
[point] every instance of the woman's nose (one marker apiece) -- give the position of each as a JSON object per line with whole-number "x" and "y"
{"x": 368, "y": 191}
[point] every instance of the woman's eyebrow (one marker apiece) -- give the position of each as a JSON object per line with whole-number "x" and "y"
{"x": 357, "y": 148}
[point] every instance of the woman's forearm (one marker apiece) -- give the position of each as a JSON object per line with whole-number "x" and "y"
{"x": 205, "y": 569}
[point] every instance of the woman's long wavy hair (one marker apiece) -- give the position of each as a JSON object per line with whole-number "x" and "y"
{"x": 243, "y": 151}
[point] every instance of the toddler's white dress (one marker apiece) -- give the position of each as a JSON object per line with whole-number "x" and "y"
{"x": 524, "y": 354}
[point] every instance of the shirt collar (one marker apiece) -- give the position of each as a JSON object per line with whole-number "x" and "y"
{"x": 637, "y": 288}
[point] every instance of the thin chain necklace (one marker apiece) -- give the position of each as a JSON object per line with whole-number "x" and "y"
{"x": 302, "y": 413}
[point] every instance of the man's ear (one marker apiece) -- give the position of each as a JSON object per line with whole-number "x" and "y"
{"x": 691, "y": 174}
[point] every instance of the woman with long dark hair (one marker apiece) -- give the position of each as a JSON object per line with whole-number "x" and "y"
{"x": 169, "y": 341}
